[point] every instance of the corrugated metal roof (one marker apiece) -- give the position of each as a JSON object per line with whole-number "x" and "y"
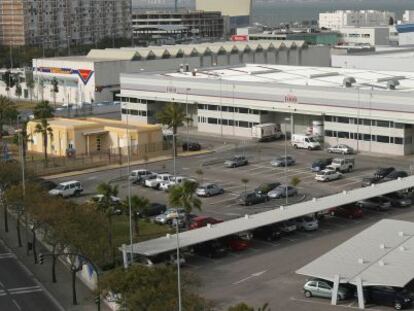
{"x": 188, "y": 238}
{"x": 381, "y": 255}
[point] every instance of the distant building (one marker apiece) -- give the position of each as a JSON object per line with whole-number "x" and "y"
{"x": 237, "y": 11}
{"x": 365, "y": 35}
{"x": 408, "y": 17}
{"x": 168, "y": 27}
{"x": 405, "y": 34}
{"x": 370, "y": 18}
{"x": 57, "y": 23}
{"x": 312, "y": 38}
{"x": 91, "y": 136}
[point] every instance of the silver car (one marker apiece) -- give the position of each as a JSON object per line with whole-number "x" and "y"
{"x": 281, "y": 191}
{"x": 168, "y": 216}
{"x": 324, "y": 289}
{"x": 236, "y": 162}
{"x": 208, "y": 190}
{"x": 341, "y": 148}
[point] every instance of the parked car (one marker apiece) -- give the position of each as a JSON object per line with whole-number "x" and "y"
{"x": 47, "y": 184}
{"x": 67, "y": 189}
{"x": 169, "y": 215}
{"x": 191, "y": 146}
{"x": 283, "y": 161}
{"x": 166, "y": 259}
{"x": 202, "y": 221}
{"x": 381, "y": 172}
{"x": 328, "y": 175}
{"x": 236, "y": 161}
{"x": 235, "y": 243}
{"x": 144, "y": 178}
{"x": 153, "y": 209}
{"x": 115, "y": 203}
{"x": 173, "y": 181}
{"x": 347, "y": 211}
{"x": 287, "y": 227}
{"x": 156, "y": 182}
{"x": 212, "y": 249}
{"x": 266, "y": 187}
{"x": 341, "y": 148}
{"x": 252, "y": 198}
{"x": 342, "y": 165}
{"x": 388, "y": 296}
{"x": 395, "y": 175}
{"x": 307, "y": 223}
{"x": 399, "y": 200}
{"x": 324, "y": 289}
{"x": 281, "y": 192}
{"x": 376, "y": 203}
{"x": 369, "y": 180}
{"x": 268, "y": 233}
{"x": 208, "y": 190}
{"x": 320, "y": 164}
{"x": 136, "y": 175}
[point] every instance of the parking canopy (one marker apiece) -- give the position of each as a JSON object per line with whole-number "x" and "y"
{"x": 169, "y": 242}
{"x": 382, "y": 255}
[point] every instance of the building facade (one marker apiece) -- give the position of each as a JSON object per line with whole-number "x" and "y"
{"x": 157, "y": 27}
{"x": 59, "y": 23}
{"x": 365, "y": 35}
{"x": 369, "y": 110}
{"x": 370, "y": 18}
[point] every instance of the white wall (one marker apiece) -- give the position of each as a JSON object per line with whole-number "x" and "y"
{"x": 365, "y": 35}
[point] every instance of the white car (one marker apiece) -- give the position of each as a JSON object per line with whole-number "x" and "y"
{"x": 67, "y": 189}
{"x": 328, "y": 175}
{"x": 341, "y": 148}
{"x": 155, "y": 183}
{"x": 307, "y": 223}
{"x": 168, "y": 216}
{"x": 209, "y": 189}
{"x": 99, "y": 197}
{"x": 136, "y": 175}
{"x": 174, "y": 181}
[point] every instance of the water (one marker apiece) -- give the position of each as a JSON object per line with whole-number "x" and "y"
{"x": 290, "y": 11}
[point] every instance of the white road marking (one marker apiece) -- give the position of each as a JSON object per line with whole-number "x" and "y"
{"x": 16, "y": 304}
{"x": 326, "y": 303}
{"x": 7, "y": 255}
{"x": 91, "y": 178}
{"x": 253, "y": 275}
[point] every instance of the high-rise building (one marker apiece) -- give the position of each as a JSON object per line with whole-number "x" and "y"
{"x": 57, "y": 23}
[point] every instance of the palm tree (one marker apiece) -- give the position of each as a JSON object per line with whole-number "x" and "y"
{"x": 173, "y": 116}
{"x": 183, "y": 196}
{"x": 43, "y": 110}
{"x": 55, "y": 90}
{"x": 245, "y": 181}
{"x": 7, "y": 111}
{"x": 45, "y": 130}
{"x": 138, "y": 205}
{"x": 106, "y": 206}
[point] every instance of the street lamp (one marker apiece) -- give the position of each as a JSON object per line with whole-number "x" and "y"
{"x": 285, "y": 171}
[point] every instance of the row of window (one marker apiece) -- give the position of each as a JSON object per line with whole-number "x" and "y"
{"x": 230, "y": 109}
{"x": 136, "y": 100}
{"x": 368, "y": 137}
{"x": 367, "y": 122}
{"x": 227, "y": 122}
{"x": 133, "y": 112}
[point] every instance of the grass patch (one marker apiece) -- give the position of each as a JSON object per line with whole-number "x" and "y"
{"x": 25, "y": 105}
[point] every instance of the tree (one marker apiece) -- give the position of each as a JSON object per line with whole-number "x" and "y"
{"x": 46, "y": 131}
{"x": 8, "y": 112}
{"x": 138, "y": 206}
{"x": 245, "y": 181}
{"x": 173, "y": 116}
{"x": 295, "y": 181}
{"x": 18, "y": 90}
{"x": 43, "y": 110}
{"x": 106, "y": 206}
{"x": 9, "y": 176}
{"x": 183, "y": 196}
{"x": 152, "y": 289}
{"x": 244, "y": 307}
{"x": 9, "y": 79}
{"x": 30, "y": 83}
{"x": 55, "y": 89}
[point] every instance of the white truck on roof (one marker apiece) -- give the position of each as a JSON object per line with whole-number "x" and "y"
{"x": 266, "y": 132}
{"x": 305, "y": 142}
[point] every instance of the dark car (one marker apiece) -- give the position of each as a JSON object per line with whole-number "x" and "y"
{"x": 395, "y": 175}
{"x": 320, "y": 164}
{"x": 399, "y": 200}
{"x": 252, "y": 198}
{"x": 266, "y": 187}
{"x": 212, "y": 249}
{"x": 377, "y": 203}
{"x": 369, "y": 180}
{"x": 383, "y": 171}
{"x": 268, "y": 233}
{"x": 347, "y": 211}
{"x": 153, "y": 209}
{"x": 191, "y": 146}
{"x": 388, "y": 296}
{"x": 47, "y": 184}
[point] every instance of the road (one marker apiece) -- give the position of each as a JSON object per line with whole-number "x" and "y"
{"x": 19, "y": 290}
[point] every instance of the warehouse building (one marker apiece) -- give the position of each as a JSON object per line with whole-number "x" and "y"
{"x": 369, "y": 110}
{"x": 95, "y": 77}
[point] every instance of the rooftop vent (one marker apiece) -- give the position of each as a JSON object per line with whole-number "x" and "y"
{"x": 392, "y": 84}
{"x": 348, "y": 81}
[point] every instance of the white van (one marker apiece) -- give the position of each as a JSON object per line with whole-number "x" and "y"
{"x": 305, "y": 142}
{"x": 67, "y": 189}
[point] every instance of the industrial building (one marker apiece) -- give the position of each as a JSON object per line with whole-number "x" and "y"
{"x": 59, "y": 23}
{"x": 365, "y": 35}
{"x": 161, "y": 27}
{"x": 92, "y": 136}
{"x": 95, "y": 77}
{"x": 369, "y": 110}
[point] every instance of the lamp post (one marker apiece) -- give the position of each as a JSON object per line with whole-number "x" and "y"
{"x": 186, "y": 113}
{"x": 129, "y": 192}
{"x": 285, "y": 170}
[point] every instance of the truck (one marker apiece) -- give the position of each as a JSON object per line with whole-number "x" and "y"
{"x": 305, "y": 142}
{"x": 342, "y": 164}
{"x": 266, "y": 132}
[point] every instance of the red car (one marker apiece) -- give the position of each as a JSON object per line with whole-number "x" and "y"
{"x": 236, "y": 243}
{"x": 202, "y": 221}
{"x": 347, "y": 211}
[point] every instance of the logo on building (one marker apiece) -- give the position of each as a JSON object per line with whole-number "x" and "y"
{"x": 239, "y": 38}
{"x": 84, "y": 74}
{"x": 291, "y": 99}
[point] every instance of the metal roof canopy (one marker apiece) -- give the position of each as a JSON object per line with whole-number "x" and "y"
{"x": 249, "y": 222}
{"x": 381, "y": 255}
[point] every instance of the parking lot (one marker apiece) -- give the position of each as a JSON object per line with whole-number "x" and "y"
{"x": 265, "y": 271}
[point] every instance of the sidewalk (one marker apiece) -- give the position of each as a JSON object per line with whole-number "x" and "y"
{"x": 60, "y": 291}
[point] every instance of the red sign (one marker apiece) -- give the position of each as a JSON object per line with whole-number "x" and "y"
{"x": 291, "y": 99}
{"x": 239, "y": 38}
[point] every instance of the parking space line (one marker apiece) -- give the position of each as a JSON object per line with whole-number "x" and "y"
{"x": 326, "y": 303}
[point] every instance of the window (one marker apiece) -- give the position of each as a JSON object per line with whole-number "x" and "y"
{"x": 212, "y": 107}
{"x": 343, "y": 135}
{"x": 264, "y": 112}
{"x": 200, "y": 106}
{"x": 383, "y": 139}
{"x": 367, "y": 137}
{"x": 254, "y": 111}
{"x": 124, "y": 111}
{"x": 98, "y": 144}
{"x": 408, "y": 140}
{"x": 133, "y": 100}
{"x": 398, "y": 140}
{"x": 212, "y": 121}
{"x": 328, "y": 133}
{"x": 143, "y": 113}
{"x": 366, "y": 122}
{"x": 324, "y": 285}
{"x": 328, "y": 118}
{"x": 399, "y": 125}
{"x": 243, "y": 110}
{"x": 231, "y": 122}
{"x": 343, "y": 120}
{"x": 383, "y": 123}
{"x": 133, "y": 112}
{"x": 225, "y": 122}
{"x": 243, "y": 124}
